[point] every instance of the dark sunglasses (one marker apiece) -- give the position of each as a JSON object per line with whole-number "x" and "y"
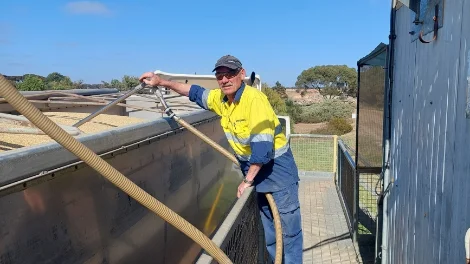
{"x": 228, "y": 75}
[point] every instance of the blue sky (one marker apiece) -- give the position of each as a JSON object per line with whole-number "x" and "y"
{"x": 101, "y": 40}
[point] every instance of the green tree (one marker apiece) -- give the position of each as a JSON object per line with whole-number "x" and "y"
{"x": 294, "y": 111}
{"x": 64, "y": 84}
{"x": 282, "y": 107}
{"x": 58, "y": 81}
{"x": 55, "y": 77}
{"x": 129, "y": 82}
{"x": 116, "y": 84}
{"x": 339, "y": 78}
{"x": 275, "y": 99}
{"x": 280, "y": 89}
{"x": 331, "y": 92}
{"x": 106, "y": 84}
{"x": 77, "y": 84}
{"x": 31, "y": 83}
{"x": 126, "y": 84}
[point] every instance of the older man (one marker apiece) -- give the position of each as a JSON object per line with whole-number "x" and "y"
{"x": 255, "y": 134}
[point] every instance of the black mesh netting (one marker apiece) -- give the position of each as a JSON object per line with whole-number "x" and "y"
{"x": 371, "y": 110}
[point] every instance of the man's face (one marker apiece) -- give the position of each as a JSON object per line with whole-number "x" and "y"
{"x": 229, "y": 80}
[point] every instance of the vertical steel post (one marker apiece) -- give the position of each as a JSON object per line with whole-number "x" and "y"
{"x": 335, "y": 153}
{"x": 356, "y": 172}
{"x": 388, "y": 126}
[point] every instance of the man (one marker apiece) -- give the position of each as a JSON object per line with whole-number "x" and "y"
{"x": 255, "y": 134}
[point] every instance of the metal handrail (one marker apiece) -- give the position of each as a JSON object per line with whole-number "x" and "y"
{"x": 346, "y": 153}
{"x": 312, "y": 135}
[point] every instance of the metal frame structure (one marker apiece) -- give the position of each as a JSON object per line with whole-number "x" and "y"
{"x": 378, "y": 57}
{"x": 344, "y": 179}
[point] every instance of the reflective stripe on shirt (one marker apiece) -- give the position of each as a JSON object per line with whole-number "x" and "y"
{"x": 254, "y": 133}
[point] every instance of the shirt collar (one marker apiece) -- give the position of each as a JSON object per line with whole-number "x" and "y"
{"x": 238, "y": 94}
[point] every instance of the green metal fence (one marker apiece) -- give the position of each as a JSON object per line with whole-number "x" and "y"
{"x": 315, "y": 153}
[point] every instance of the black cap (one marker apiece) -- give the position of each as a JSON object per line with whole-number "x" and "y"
{"x": 228, "y": 61}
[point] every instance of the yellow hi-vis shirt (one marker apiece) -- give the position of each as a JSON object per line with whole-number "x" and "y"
{"x": 254, "y": 133}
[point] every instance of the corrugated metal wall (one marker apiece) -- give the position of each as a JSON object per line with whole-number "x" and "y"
{"x": 428, "y": 205}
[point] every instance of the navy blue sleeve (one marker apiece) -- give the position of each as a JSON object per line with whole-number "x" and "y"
{"x": 261, "y": 125}
{"x": 199, "y": 95}
{"x": 261, "y": 152}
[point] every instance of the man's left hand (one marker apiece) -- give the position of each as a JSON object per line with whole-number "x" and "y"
{"x": 241, "y": 188}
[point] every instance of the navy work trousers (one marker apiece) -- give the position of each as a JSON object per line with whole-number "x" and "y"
{"x": 287, "y": 202}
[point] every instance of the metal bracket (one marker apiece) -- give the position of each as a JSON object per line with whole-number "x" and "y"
{"x": 436, "y": 26}
{"x": 429, "y": 18}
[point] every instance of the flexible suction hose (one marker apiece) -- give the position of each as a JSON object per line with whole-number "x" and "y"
{"x": 269, "y": 197}
{"x": 22, "y": 105}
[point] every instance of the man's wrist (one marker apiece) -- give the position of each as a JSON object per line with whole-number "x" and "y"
{"x": 165, "y": 83}
{"x": 245, "y": 180}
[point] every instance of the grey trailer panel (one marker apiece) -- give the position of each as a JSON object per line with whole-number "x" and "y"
{"x": 51, "y": 155}
{"x": 74, "y": 215}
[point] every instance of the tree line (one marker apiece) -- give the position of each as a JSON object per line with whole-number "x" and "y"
{"x": 58, "y": 81}
{"x": 329, "y": 80}
{"x": 334, "y": 83}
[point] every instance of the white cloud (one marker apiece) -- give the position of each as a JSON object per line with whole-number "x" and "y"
{"x": 87, "y": 7}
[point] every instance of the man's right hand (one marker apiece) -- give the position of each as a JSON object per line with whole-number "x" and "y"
{"x": 154, "y": 80}
{"x": 150, "y": 79}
